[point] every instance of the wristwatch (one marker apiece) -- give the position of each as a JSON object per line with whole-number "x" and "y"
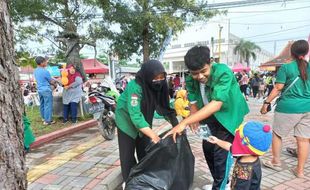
{"x": 265, "y": 102}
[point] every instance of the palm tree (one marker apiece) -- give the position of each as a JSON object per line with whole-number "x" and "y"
{"x": 246, "y": 51}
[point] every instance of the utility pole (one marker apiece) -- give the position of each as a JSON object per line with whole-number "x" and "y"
{"x": 220, "y": 41}
{"x": 228, "y": 41}
{"x": 275, "y": 47}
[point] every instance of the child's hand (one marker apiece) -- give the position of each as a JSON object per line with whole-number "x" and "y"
{"x": 212, "y": 139}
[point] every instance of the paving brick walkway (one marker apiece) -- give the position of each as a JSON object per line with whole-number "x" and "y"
{"x": 271, "y": 179}
{"x": 86, "y": 161}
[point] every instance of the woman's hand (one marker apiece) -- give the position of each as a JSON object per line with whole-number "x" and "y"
{"x": 263, "y": 110}
{"x": 177, "y": 130}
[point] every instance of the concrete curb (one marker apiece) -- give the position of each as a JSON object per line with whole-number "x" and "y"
{"x": 60, "y": 133}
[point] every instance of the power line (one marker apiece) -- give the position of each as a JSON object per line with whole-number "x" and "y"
{"x": 262, "y": 23}
{"x": 269, "y": 11}
{"x": 304, "y": 26}
{"x": 299, "y": 37}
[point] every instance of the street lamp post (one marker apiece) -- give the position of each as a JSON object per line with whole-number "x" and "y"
{"x": 113, "y": 59}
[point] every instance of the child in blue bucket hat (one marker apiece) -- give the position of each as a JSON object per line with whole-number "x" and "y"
{"x": 252, "y": 140}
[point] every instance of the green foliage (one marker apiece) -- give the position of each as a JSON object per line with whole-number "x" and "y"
{"x": 24, "y": 59}
{"x": 53, "y": 20}
{"x": 246, "y": 50}
{"x": 83, "y": 56}
{"x": 103, "y": 58}
{"x": 123, "y": 62}
{"x": 145, "y": 24}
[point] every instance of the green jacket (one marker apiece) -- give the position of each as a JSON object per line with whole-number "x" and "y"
{"x": 28, "y": 135}
{"x": 221, "y": 86}
{"x": 128, "y": 115}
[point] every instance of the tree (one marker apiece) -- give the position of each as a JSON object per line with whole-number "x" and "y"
{"x": 12, "y": 155}
{"x": 246, "y": 51}
{"x": 144, "y": 24}
{"x": 63, "y": 21}
{"x": 23, "y": 58}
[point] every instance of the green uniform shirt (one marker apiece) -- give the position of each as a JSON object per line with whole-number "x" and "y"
{"x": 128, "y": 115}
{"x": 297, "y": 98}
{"x": 221, "y": 86}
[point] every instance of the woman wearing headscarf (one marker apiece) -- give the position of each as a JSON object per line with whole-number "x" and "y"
{"x": 72, "y": 94}
{"x": 181, "y": 104}
{"x": 135, "y": 111}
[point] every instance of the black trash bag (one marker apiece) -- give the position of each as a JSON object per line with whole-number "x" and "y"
{"x": 166, "y": 166}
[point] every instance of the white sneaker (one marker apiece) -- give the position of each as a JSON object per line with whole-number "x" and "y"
{"x": 227, "y": 187}
{"x": 207, "y": 187}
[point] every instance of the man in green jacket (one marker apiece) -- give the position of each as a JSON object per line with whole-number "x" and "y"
{"x": 216, "y": 100}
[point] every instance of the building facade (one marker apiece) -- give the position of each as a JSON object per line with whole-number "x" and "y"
{"x": 217, "y": 37}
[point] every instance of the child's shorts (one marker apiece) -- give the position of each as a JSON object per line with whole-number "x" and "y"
{"x": 284, "y": 123}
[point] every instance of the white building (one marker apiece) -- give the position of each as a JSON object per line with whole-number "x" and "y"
{"x": 208, "y": 34}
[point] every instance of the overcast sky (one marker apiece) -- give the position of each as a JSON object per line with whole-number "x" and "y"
{"x": 265, "y": 24}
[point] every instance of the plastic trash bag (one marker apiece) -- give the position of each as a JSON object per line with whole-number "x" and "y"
{"x": 167, "y": 166}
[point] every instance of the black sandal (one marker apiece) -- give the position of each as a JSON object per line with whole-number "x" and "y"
{"x": 292, "y": 151}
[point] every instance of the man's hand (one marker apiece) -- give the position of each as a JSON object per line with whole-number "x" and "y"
{"x": 155, "y": 139}
{"x": 177, "y": 130}
{"x": 194, "y": 126}
{"x": 212, "y": 139}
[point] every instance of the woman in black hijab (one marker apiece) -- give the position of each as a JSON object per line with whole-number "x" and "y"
{"x": 135, "y": 111}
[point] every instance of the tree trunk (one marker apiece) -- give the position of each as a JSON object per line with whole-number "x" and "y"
{"x": 12, "y": 155}
{"x": 146, "y": 43}
{"x": 73, "y": 47}
{"x": 73, "y": 56}
{"x": 248, "y": 63}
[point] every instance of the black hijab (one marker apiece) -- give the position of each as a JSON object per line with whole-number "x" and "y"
{"x": 154, "y": 99}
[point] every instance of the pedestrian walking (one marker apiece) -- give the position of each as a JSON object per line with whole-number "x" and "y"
{"x": 216, "y": 100}
{"x": 293, "y": 108}
{"x": 262, "y": 87}
{"x": 255, "y": 84}
{"x": 244, "y": 84}
{"x": 135, "y": 111}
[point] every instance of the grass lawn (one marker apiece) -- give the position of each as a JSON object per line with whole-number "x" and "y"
{"x": 37, "y": 126}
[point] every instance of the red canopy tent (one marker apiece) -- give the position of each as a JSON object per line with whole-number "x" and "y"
{"x": 238, "y": 67}
{"x": 94, "y": 66}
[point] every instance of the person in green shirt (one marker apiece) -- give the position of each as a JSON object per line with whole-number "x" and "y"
{"x": 293, "y": 108}
{"x": 216, "y": 100}
{"x": 135, "y": 111}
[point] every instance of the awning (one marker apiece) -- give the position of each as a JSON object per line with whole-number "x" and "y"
{"x": 94, "y": 66}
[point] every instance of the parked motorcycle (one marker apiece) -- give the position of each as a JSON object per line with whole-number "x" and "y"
{"x": 102, "y": 107}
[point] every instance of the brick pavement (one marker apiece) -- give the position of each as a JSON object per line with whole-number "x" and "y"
{"x": 86, "y": 161}
{"x": 282, "y": 180}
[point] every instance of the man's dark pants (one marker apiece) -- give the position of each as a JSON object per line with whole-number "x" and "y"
{"x": 215, "y": 155}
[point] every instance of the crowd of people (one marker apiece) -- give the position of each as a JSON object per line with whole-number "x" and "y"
{"x": 216, "y": 97}
{"x": 257, "y": 85}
